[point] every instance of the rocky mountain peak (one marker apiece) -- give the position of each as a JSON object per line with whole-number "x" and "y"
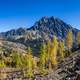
{"x": 46, "y": 26}
{"x": 52, "y": 25}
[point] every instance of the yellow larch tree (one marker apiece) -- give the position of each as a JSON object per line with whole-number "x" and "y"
{"x": 16, "y": 58}
{"x": 54, "y": 48}
{"x": 78, "y": 39}
{"x": 69, "y": 41}
{"x": 29, "y": 63}
{"x": 48, "y": 58}
{"x": 43, "y": 58}
{"x": 61, "y": 49}
{"x": 48, "y": 49}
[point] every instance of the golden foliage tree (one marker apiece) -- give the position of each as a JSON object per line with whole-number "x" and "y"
{"x": 43, "y": 56}
{"x": 53, "y": 54}
{"x": 78, "y": 39}
{"x": 61, "y": 49}
{"x": 48, "y": 58}
{"x": 48, "y": 50}
{"x": 69, "y": 40}
{"x": 29, "y": 63}
{"x": 16, "y": 57}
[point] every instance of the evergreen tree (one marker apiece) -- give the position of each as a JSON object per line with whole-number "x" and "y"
{"x": 29, "y": 63}
{"x": 48, "y": 58}
{"x": 61, "y": 49}
{"x": 69, "y": 41}
{"x": 16, "y": 58}
{"x": 48, "y": 49}
{"x": 78, "y": 39}
{"x": 43, "y": 58}
{"x": 54, "y": 47}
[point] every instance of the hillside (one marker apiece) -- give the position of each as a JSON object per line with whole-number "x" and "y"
{"x": 69, "y": 69}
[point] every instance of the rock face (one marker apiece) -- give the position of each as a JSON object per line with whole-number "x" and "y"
{"x": 53, "y": 26}
{"x": 43, "y": 29}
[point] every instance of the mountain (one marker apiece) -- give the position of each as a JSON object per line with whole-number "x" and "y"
{"x": 53, "y": 26}
{"x": 45, "y": 26}
{"x": 43, "y": 29}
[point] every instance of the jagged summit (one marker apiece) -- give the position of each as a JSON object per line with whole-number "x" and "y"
{"x": 53, "y": 25}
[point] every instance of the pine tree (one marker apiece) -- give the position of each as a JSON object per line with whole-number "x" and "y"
{"x": 19, "y": 61}
{"x": 61, "y": 49}
{"x": 16, "y": 58}
{"x": 54, "y": 48}
{"x": 48, "y": 49}
{"x": 43, "y": 58}
{"x": 78, "y": 39}
{"x": 69, "y": 41}
{"x": 48, "y": 58}
{"x": 29, "y": 63}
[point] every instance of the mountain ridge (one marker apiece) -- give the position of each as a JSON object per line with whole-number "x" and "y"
{"x": 43, "y": 29}
{"x": 48, "y": 25}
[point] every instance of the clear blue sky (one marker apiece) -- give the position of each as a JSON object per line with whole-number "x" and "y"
{"x": 24, "y": 13}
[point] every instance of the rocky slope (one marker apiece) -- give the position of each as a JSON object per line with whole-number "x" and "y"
{"x": 6, "y": 47}
{"x": 69, "y": 69}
